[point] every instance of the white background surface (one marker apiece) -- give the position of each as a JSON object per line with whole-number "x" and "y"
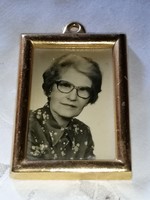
{"x": 98, "y": 16}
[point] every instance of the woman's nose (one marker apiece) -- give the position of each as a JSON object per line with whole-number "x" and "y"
{"x": 73, "y": 95}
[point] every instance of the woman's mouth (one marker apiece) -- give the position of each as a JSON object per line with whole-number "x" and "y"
{"x": 69, "y": 105}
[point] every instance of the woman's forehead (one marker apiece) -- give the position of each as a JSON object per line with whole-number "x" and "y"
{"x": 75, "y": 77}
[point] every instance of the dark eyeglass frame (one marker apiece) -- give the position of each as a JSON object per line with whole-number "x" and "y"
{"x": 74, "y": 87}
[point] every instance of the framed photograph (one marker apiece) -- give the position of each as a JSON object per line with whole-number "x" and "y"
{"x": 72, "y": 116}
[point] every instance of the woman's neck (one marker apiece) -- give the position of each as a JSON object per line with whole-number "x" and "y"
{"x": 62, "y": 121}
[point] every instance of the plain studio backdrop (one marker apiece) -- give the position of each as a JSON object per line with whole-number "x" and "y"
{"x": 100, "y": 117}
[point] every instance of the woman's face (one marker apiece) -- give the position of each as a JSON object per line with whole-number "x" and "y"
{"x": 68, "y": 105}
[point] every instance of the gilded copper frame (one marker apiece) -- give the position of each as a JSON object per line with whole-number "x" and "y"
{"x": 119, "y": 168}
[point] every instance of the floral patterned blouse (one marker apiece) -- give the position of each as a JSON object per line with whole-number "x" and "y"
{"x": 47, "y": 140}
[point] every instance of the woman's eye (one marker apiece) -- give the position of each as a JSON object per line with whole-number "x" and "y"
{"x": 65, "y": 84}
{"x": 84, "y": 89}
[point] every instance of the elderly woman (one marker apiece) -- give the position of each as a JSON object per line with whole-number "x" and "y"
{"x": 70, "y": 83}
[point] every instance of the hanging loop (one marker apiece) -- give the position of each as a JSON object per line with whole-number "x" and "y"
{"x": 74, "y": 27}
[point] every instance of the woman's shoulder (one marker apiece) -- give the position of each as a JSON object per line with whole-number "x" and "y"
{"x": 35, "y": 114}
{"x": 38, "y": 113}
{"x": 80, "y": 125}
{"x": 80, "y": 131}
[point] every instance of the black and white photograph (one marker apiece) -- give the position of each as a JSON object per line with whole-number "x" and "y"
{"x": 72, "y": 105}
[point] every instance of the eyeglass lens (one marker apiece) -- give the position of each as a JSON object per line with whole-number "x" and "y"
{"x": 67, "y": 87}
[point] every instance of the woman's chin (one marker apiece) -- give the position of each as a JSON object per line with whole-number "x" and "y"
{"x": 68, "y": 115}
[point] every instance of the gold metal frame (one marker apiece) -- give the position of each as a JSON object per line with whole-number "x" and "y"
{"x": 120, "y": 168}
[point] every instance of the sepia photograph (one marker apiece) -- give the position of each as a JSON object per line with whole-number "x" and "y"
{"x": 68, "y": 108}
{"x": 72, "y": 103}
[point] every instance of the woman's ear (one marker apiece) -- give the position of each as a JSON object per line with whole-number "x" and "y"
{"x": 49, "y": 93}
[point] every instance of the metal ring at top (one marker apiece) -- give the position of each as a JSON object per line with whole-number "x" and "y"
{"x": 74, "y": 27}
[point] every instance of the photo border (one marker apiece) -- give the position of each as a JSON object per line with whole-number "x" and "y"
{"x": 120, "y": 168}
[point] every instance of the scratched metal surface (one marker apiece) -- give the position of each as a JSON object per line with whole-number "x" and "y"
{"x": 50, "y": 16}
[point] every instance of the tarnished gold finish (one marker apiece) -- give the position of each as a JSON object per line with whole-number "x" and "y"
{"x": 120, "y": 168}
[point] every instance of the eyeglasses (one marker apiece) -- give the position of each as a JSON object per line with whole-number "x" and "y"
{"x": 67, "y": 87}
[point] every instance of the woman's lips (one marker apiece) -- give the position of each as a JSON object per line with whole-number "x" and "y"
{"x": 69, "y": 105}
